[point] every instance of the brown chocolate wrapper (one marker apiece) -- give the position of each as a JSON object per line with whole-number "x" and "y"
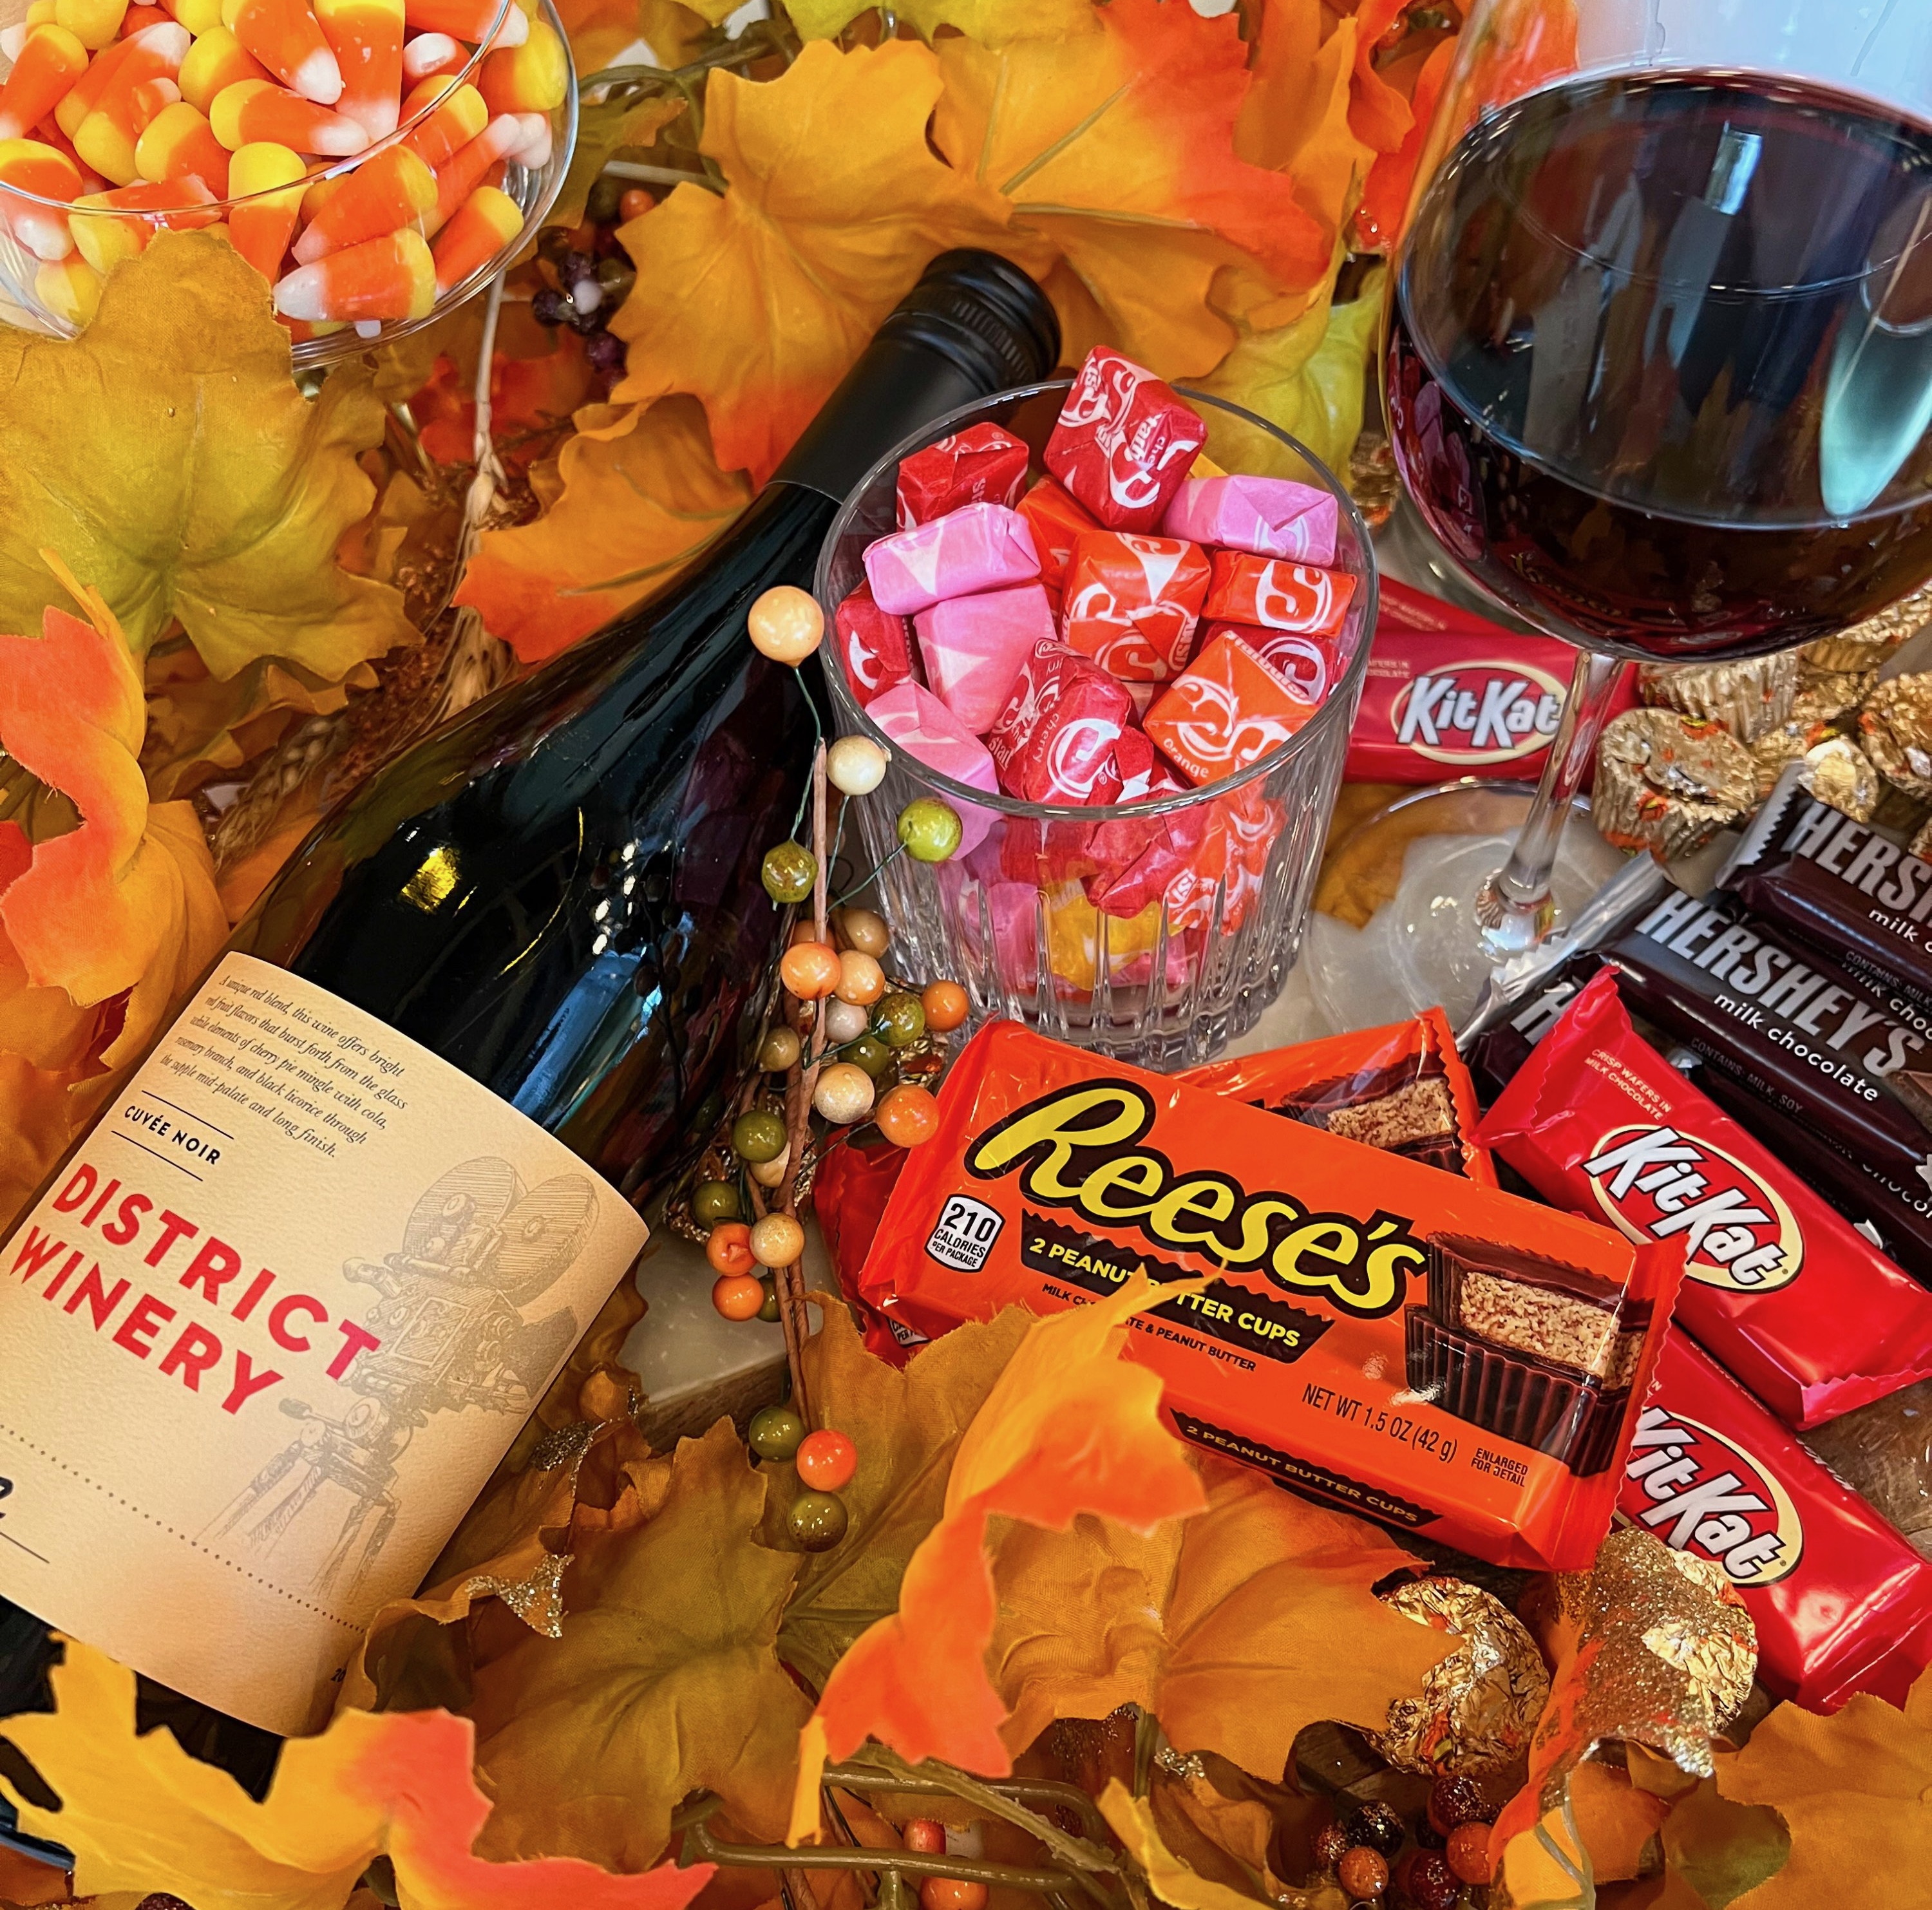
{"x": 1883, "y": 1451}
{"x": 1838, "y": 772}
{"x": 1895, "y": 730}
{"x": 1479, "y": 1706}
{"x": 1748, "y": 698}
{"x": 1866, "y": 645}
{"x": 1668, "y": 783}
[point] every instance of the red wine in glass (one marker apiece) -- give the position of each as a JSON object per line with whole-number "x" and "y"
{"x": 1660, "y": 360}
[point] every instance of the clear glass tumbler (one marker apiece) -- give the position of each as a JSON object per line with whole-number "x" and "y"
{"x": 1203, "y": 897}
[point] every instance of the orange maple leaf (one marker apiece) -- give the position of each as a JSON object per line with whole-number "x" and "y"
{"x": 1115, "y": 146}
{"x": 641, "y": 497}
{"x": 1068, "y": 1428}
{"x": 140, "y": 1815}
{"x": 757, "y": 301}
{"x": 103, "y": 927}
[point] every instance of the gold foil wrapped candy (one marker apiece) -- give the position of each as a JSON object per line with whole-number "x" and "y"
{"x": 1748, "y": 698}
{"x": 1825, "y": 695}
{"x": 1668, "y": 783}
{"x": 1895, "y": 730}
{"x": 1479, "y": 1706}
{"x": 1865, "y": 645}
{"x": 1789, "y": 743}
{"x": 1838, "y": 771}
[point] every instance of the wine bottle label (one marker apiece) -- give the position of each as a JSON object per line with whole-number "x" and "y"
{"x": 268, "y": 1333}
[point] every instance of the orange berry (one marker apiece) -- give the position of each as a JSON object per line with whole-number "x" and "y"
{"x": 827, "y": 1461}
{"x": 738, "y": 1296}
{"x": 946, "y": 1006}
{"x": 951, "y": 1894}
{"x": 635, "y": 203}
{"x": 1468, "y": 1852}
{"x": 728, "y": 1247}
{"x": 925, "y": 1835}
{"x": 907, "y": 1116}
{"x": 810, "y": 970}
{"x": 861, "y": 980}
{"x": 786, "y": 624}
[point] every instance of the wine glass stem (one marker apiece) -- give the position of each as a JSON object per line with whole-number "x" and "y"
{"x": 1514, "y": 908}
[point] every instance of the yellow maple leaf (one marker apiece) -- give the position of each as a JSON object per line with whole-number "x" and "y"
{"x": 665, "y": 1681}
{"x": 641, "y": 497}
{"x": 168, "y": 457}
{"x": 991, "y": 23}
{"x": 1170, "y": 1877}
{"x": 1855, "y": 1791}
{"x": 757, "y": 300}
{"x": 140, "y": 1815}
{"x": 1114, "y": 145}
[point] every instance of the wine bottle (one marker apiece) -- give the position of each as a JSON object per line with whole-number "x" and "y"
{"x": 275, "y": 1317}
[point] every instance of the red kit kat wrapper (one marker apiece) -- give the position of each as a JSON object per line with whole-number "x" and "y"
{"x": 980, "y": 465}
{"x": 1790, "y": 1297}
{"x": 1386, "y": 1337}
{"x": 1841, "y": 1602}
{"x": 1403, "y": 1088}
{"x": 1449, "y": 693}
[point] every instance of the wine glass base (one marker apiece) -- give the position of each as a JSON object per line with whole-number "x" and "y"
{"x": 1420, "y": 864}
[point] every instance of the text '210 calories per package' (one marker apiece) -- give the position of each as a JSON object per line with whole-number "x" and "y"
{"x": 1394, "y": 1340}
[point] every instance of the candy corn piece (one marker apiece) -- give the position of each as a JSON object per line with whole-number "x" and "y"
{"x": 93, "y": 23}
{"x": 262, "y": 219}
{"x": 391, "y": 189}
{"x": 106, "y": 138}
{"x": 49, "y": 134}
{"x": 253, "y": 109}
{"x": 367, "y": 38}
{"x": 155, "y": 53}
{"x": 465, "y": 19}
{"x": 430, "y": 55}
{"x": 41, "y": 13}
{"x": 391, "y": 277}
{"x": 31, "y": 167}
{"x": 139, "y": 19}
{"x": 108, "y": 227}
{"x": 197, "y": 16}
{"x": 180, "y": 142}
{"x": 322, "y": 186}
{"x": 531, "y": 78}
{"x": 216, "y": 59}
{"x": 287, "y": 39}
{"x": 71, "y": 289}
{"x": 460, "y": 175}
{"x": 484, "y": 223}
{"x": 448, "y": 126}
{"x": 51, "y": 60}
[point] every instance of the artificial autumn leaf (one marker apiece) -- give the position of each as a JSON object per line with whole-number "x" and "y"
{"x": 907, "y": 1423}
{"x": 1855, "y": 1791}
{"x": 538, "y": 378}
{"x": 1616, "y": 1819}
{"x": 1223, "y": 1626}
{"x": 1378, "y": 219}
{"x": 835, "y": 202}
{"x": 1717, "y": 1850}
{"x": 641, "y": 497}
{"x": 167, "y": 457}
{"x": 1547, "y": 1866}
{"x": 604, "y": 128}
{"x": 1380, "y": 115}
{"x": 125, "y": 902}
{"x": 1115, "y": 146}
{"x": 1309, "y": 378}
{"x": 600, "y": 30}
{"x": 1068, "y": 1428}
{"x": 991, "y": 23}
{"x": 1170, "y": 1878}
{"x": 665, "y": 1680}
{"x": 140, "y": 1815}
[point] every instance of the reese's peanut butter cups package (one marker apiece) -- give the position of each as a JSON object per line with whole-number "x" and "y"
{"x": 1399, "y": 1341}
{"x": 1403, "y": 1088}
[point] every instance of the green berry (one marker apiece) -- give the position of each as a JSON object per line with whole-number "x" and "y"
{"x": 817, "y": 1521}
{"x": 553, "y": 245}
{"x": 871, "y": 1054}
{"x": 605, "y": 201}
{"x": 768, "y": 1312}
{"x": 776, "y": 1432}
{"x": 929, "y": 828}
{"x": 789, "y": 871}
{"x": 899, "y": 1019}
{"x": 757, "y": 1136}
{"x": 714, "y": 1201}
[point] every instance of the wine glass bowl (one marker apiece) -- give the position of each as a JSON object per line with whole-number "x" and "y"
{"x": 1009, "y": 915}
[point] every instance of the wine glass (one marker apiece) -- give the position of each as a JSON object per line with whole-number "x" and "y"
{"x": 1658, "y": 360}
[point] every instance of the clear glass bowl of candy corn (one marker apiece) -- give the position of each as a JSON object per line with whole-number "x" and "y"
{"x": 1119, "y": 630}
{"x": 376, "y": 160}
